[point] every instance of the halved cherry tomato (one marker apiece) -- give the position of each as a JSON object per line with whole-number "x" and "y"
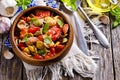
{"x": 52, "y": 50}
{"x": 49, "y": 55}
{"x": 54, "y": 32}
{"x": 26, "y": 19}
{"x": 37, "y": 56}
{"x": 58, "y": 48}
{"x": 46, "y": 13}
{"x": 33, "y": 29}
{"x": 65, "y": 28}
{"x": 46, "y": 56}
{"x": 22, "y": 45}
{"x": 43, "y": 14}
{"x": 23, "y": 32}
{"x": 21, "y": 36}
{"x": 40, "y": 37}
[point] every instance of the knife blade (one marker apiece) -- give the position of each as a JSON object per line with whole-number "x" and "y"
{"x": 82, "y": 44}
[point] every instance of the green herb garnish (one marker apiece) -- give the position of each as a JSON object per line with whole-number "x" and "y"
{"x": 23, "y": 3}
{"x": 116, "y": 14}
{"x": 25, "y": 39}
{"x": 42, "y": 52}
{"x": 45, "y": 28}
{"x": 47, "y": 40}
{"x": 33, "y": 19}
{"x": 70, "y": 3}
{"x": 60, "y": 23}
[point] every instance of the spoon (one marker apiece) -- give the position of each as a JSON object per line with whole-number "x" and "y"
{"x": 82, "y": 44}
{"x": 98, "y": 33}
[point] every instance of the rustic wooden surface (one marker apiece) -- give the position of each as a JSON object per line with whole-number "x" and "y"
{"x": 108, "y": 65}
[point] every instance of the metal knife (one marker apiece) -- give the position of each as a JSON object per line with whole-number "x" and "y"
{"x": 82, "y": 44}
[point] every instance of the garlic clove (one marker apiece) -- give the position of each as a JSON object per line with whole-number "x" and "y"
{"x": 104, "y": 19}
{"x": 5, "y": 24}
{"x": 8, "y": 7}
{"x": 7, "y": 54}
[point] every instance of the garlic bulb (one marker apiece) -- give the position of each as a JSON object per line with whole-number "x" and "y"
{"x": 7, "y": 54}
{"x": 4, "y": 24}
{"x": 8, "y": 7}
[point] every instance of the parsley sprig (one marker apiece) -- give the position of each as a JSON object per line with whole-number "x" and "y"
{"x": 23, "y": 3}
{"x": 116, "y": 14}
{"x": 70, "y": 3}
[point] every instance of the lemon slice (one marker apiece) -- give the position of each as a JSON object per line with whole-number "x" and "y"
{"x": 102, "y": 5}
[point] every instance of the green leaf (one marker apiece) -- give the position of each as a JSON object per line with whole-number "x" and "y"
{"x": 33, "y": 19}
{"x": 65, "y": 40}
{"x": 116, "y": 14}
{"x": 37, "y": 22}
{"x": 115, "y": 24}
{"x": 42, "y": 52}
{"x": 25, "y": 39}
{"x": 24, "y": 7}
{"x": 23, "y": 3}
{"x": 37, "y": 33}
{"x": 45, "y": 28}
{"x": 70, "y": 3}
{"x": 60, "y": 23}
{"x": 47, "y": 40}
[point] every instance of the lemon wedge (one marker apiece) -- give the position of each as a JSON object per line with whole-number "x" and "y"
{"x": 102, "y": 5}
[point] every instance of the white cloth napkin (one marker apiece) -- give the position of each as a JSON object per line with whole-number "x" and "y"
{"x": 75, "y": 60}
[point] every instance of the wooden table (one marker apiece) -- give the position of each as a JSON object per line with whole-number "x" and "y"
{"x": 108, "y": 65}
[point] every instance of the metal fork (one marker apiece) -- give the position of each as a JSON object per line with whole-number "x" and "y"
{"x": 98, "y": 33}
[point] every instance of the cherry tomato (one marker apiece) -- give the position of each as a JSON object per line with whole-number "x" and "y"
{"x": 33, "y": 29}
{"x": 43, "y": 14}
{"x": 52, "y": 50}
{"x": 36, "y": 17}
{"x": 59, "y": 47}
{"x": 37, "y": 56}
{"x": 65, "y": 28}
{"x": 23, "y": 32}
{"x": 46, "y": 56}
{"x": 26, "y": 19}
{"x": 22, "y": 45}
{"x": 54, "y": 32}
{"x": 46, "y": 13}
{"x": 40, "y": 37}
{"x": 21, "y": 36}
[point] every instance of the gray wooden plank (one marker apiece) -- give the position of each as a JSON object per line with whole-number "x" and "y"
{"x": 79, "y": 77}
{"x": 116, "y": 51}
{"x": 105, "y": 64}
{"x": 0, "y": 54}
{"x": 10, "y": 69}
{"x": 24, "y": 76}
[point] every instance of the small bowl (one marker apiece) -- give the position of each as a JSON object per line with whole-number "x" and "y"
{"x": 39, "y": 62}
